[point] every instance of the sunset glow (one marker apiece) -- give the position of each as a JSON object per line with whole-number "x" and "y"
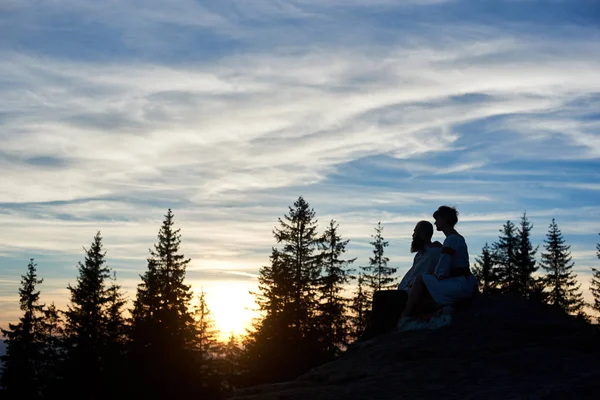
{"x": 227, "y": 111}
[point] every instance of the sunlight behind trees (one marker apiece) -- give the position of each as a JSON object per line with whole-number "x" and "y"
{"x": 231, "y": 305}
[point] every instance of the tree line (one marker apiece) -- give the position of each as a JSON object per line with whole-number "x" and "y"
{"x": 91, "y": 350}
{"x": 313, "y": 303}
{"x": 510, "y": 266}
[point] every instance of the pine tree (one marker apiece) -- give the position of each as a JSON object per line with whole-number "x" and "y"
{"x": 207, "y": 345}
{"x": 25, "y": 341}
{"x": 115, "y": 339}
{"x": 484, "y": 269}
{"x": 162, "y": 307}
{"x": 360, "y": 309}
{"x": 163, "y": 329}
{"x": 52, "y": 354}
{"x": 231, "y": 366}
{"x": 505, "y": 259}
{"x": 115, "y": 322}
{"x": 525, "y": 260}
{"x": 288, "y": 300}
{"x": 595, "y": 286}
{"x": 377, "y": 275}
{"x": 560, "y": 280}
{"x": 205, "y": 325}
{"x": 86, "y": 322}
{"x": 333, "y": 305}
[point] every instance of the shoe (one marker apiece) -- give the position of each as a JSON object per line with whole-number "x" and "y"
{"x": 411, "y": 324}
{"x": 440, "y": 322}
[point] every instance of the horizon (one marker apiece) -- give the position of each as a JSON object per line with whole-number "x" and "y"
{"x": 227, "y": 111}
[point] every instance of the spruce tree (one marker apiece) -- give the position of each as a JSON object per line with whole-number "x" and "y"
{"x": 484, "y": 269}
{"x": 525, "y": 260}
{"x": 360, "y": 309}
{"x": 288, "y": 300}
{"x": 162, "y": 312}
{"x": 207, "y": 345}
{"x": 205, "y": 325}
{"x": 115, "y": 321}
{"x": 52, "y": 358}
{"x": 560, "y": 280}
{"x": 377, "y": 275}
{"x": 163, "y": 329}
{"x": 22, "y": 376}
{"x": 595, "y": 286}
{"x": 115, "y": 339}
{"x": 333, "y": 315}
{"x": 231, "y": 365}
{"x": 86, "y": 323}
{"x": 505, "y": 259}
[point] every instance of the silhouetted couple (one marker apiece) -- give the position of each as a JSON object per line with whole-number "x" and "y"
{"x": 440, "y": 276}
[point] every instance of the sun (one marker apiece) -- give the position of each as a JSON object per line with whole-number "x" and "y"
{"x": 231, "y": 306}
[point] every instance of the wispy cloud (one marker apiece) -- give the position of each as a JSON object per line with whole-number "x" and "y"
{"x": 227, "y": 111}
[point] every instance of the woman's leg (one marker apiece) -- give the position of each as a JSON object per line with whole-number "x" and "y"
{"x": 419, "y": 295}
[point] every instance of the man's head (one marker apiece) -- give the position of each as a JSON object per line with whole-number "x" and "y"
{"x": 421, "y": 236}
{"x": 445, "y": 218}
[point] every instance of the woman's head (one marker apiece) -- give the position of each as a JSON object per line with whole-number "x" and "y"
{"x": 445, "y": 218}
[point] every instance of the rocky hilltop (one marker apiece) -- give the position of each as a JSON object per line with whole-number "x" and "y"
{"x": 500, "y": 347}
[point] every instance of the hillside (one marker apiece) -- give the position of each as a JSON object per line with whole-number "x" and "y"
{"x": 501, "y": 347}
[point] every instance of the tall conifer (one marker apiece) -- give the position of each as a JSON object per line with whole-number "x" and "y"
{"x": 86, "y": 323}
{"x": 25, "y": 341}
{"x": 560, "y": 280}
{"x": 163, "y": 329}
{"x": 333, "y": 306}
{"x": 595, "y": 286}
{"x": 505, "y": 259}
{"x": 360, "y": 309}
{"x": 377, "y": 275}
{"x": 288, "y": 299}
{"x": 525, "y": 260}
{"x": 484, "y": 269}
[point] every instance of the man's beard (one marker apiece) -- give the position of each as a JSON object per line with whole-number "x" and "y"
{"x": 417, "y": 244}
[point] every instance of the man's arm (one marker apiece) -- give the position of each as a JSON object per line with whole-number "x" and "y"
{"x": 409, "y": 278}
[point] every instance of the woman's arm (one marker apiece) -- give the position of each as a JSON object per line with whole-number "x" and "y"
{"x": 442, "y": 269}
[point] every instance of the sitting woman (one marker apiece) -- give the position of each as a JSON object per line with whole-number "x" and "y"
{"x": 452, "y": 280}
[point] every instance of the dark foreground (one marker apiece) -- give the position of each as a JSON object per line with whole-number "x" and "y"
{"x": 499, "y": 348}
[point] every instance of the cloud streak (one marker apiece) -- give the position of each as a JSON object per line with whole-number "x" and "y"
{"x": 227, "y": 111}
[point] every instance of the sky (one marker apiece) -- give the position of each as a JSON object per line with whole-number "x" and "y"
{"x": 226, "y": 111}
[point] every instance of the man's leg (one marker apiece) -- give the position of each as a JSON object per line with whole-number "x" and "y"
{"x": 419, "y": 298}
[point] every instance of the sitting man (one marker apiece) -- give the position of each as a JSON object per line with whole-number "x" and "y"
{"x": 451, "y": 281}
{"x": 388, "y": 305}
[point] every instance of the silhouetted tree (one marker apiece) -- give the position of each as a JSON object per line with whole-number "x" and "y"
{"x": 205, "y": 325}
{"x": 115, "y": 322}
{"x": 377, "y": 275}
{"x": 360, "y": 309}
{"x": 207, "y": 345}
{"x": 116, "y": 334}
{"x": 86, "y": 323}
{"x": 505, "y": 259}
{"x": 22, "y": 376}
{"x": 288, "y": 300}
{"x": 560, "y": 280}
{"x": 333, "y": 315}
{"x": 53, "y": 353}
{"x": 525, "y": 260}
{"x": 163, "y": 329}
{"x": 484, "y": 269}
{"x": 231, "y": 363}
{"x": 595, "y": 286}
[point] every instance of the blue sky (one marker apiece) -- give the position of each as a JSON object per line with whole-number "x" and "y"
{"x": 227, "y": 111}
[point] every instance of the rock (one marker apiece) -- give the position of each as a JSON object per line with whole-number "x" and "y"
{"x": 498, "y": 348}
